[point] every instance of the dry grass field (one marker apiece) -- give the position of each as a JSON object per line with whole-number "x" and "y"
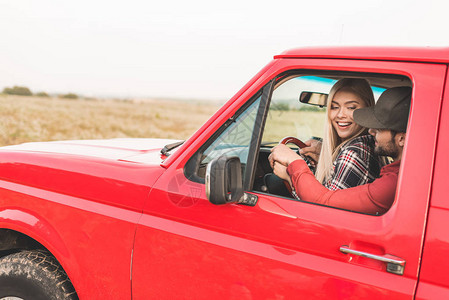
{"x": 300, "y": 124}
{"x": 29, "y": 119}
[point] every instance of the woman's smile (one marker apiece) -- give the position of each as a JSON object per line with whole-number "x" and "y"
{"x": 343, "y": 105}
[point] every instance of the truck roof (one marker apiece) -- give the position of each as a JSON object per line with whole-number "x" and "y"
{"x": 414, "y": 54}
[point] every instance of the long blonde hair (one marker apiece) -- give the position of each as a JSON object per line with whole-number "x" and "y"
{"x": 332, "y": 143}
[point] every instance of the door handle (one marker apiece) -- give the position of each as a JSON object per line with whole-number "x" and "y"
{"x": 395, "y": 264}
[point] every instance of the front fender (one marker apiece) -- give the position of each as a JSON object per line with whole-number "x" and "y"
{"x": 92, "y": 241}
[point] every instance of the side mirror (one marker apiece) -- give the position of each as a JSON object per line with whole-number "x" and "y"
{"x": 224, "y": 180}
{"x": 313, "y": 98}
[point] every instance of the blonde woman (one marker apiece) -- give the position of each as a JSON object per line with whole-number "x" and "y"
{"x": 346, "y": 156}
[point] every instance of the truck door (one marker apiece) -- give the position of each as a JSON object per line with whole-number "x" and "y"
{"x": 433, "y": 278}
{"x": 280, "y": 248}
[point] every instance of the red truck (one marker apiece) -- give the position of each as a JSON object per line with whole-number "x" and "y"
{"x": 137, "y": 218}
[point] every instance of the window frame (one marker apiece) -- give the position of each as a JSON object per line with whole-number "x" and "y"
{"x": 294, "y": 73}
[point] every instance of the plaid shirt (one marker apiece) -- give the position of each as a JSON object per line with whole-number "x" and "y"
{"x": 356, "y": 164}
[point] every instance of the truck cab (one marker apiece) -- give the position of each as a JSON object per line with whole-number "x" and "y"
{"x": 174, "y": 243}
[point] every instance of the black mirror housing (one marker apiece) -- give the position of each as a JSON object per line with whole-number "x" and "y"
{"x": 224, "y": 180}
{"x": 314, "y": 98}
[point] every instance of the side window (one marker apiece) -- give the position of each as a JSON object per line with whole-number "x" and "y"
{"x": 293, "y": 112}
{"x": 234, "y": 140}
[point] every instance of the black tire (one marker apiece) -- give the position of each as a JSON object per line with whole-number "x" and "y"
{"x": 34, "y": 275}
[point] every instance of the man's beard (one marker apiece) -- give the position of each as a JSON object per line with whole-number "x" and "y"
{"x": 390, "y": 150}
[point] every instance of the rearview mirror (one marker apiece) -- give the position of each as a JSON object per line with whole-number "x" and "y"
{"x": 313, "y": 98}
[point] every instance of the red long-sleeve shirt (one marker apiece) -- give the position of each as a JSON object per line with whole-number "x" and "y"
{"x": 372, "y": 198}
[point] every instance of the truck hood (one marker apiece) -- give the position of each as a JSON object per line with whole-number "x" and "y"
{"x": 117, "y": 172}
{"x": 124, "y": 149}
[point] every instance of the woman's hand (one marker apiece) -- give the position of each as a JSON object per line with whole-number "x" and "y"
{"x": 312, "y": 150}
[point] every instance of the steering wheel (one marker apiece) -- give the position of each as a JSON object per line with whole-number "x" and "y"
{"x": 292, "y": 140}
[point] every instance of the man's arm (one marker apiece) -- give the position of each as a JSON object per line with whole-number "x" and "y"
{"x": 372, "y": 198}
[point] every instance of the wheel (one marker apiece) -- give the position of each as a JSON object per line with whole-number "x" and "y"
{"x": 34, "y": 275}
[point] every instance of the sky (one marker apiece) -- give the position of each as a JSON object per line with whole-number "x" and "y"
{"x": 194, "y": 49}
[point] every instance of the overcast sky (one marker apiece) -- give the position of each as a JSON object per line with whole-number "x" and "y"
{"x": 189, "y": 48}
